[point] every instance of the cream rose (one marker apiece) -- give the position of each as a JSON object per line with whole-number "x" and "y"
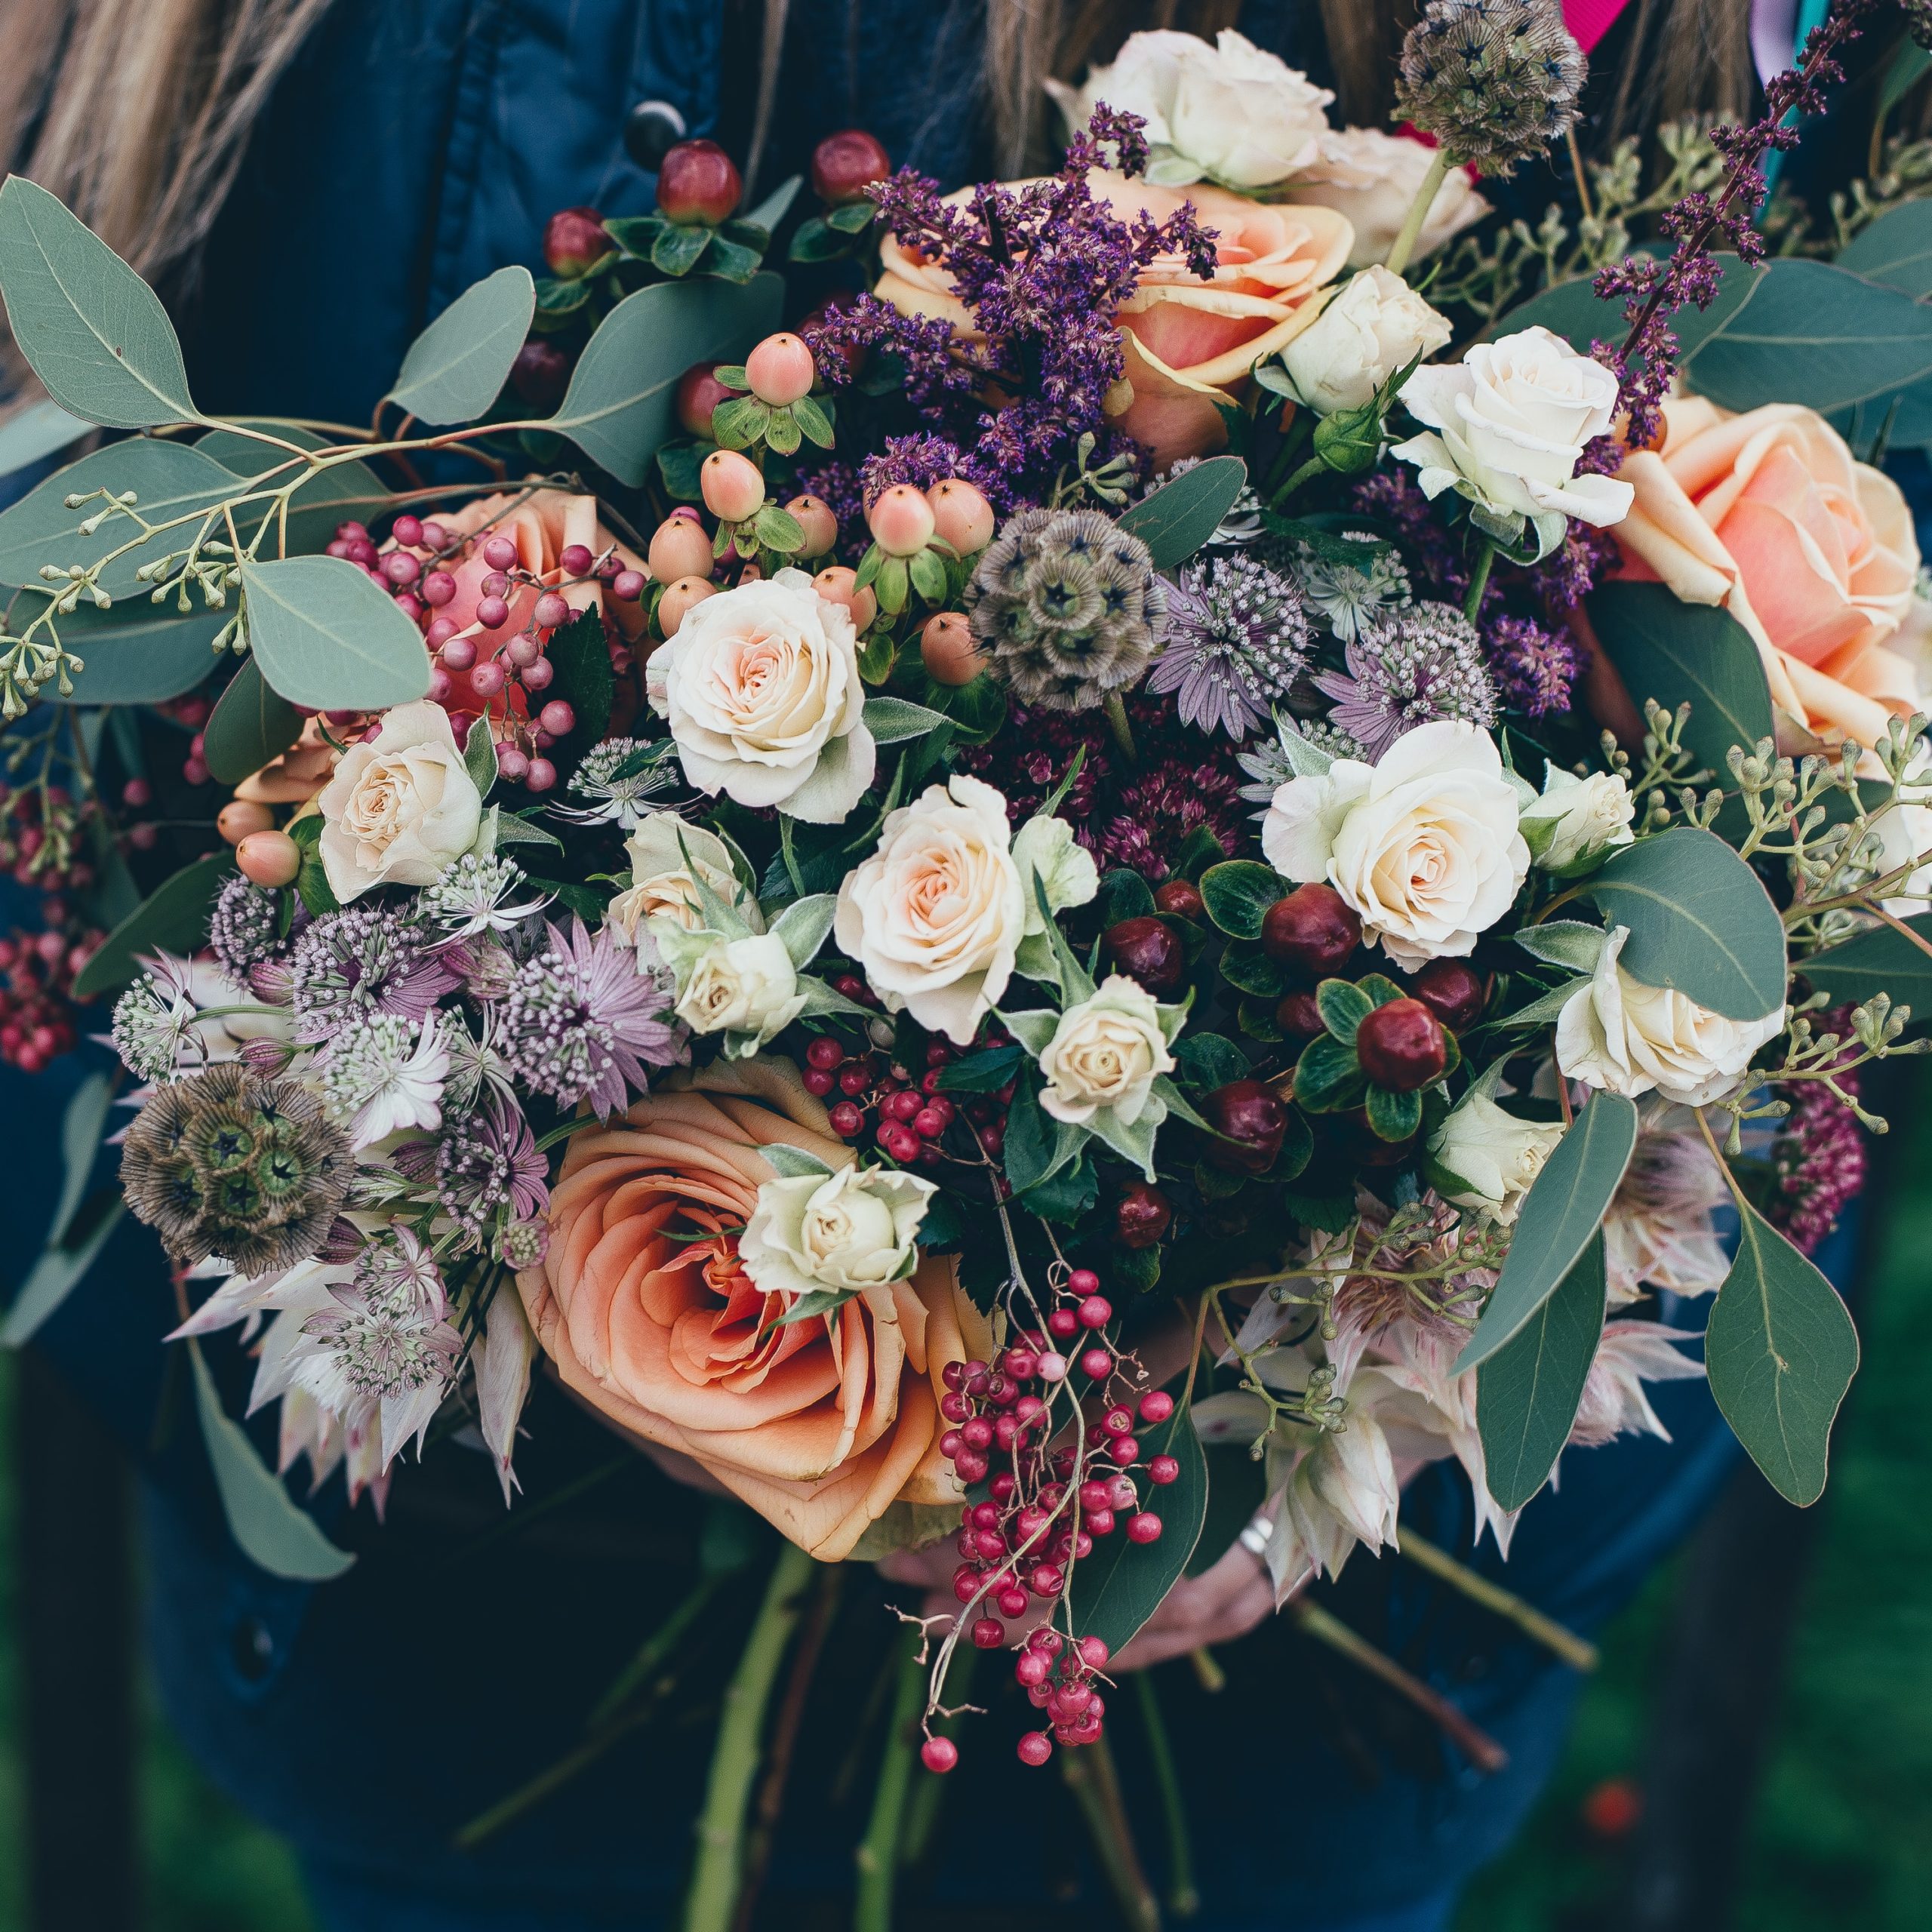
{"x": 835, "y": 1233}
{"x": 668, "y": 856}
{"x": 1576, "y": 820}
{"x": 1376, "y": 325}
{"x": 1514, "y": 416}
{"x": 761, "y": 688}
{"x": 749, "y": 987}
{"x": 1490, "y": 1157}
{"x": 1424, "y": 846}
{"x": 1616, "y": 1033}
{"x": 400, "y": 806}
{"x": 1106, "y": 1052}
{"x": 936, "y": 916}
{"x": 1374, "y": 178}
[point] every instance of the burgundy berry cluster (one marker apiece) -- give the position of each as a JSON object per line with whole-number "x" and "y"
{"x": 907, "y": 1117}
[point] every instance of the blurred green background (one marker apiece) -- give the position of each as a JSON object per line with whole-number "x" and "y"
{"x": 1842, "y": 1836}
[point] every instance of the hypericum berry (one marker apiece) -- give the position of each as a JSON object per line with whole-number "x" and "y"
{"x": 961, "y": 515}
{"x": 1452, "y": 990}
{"x": 813, "y": 515}
{"x": 1401, "y": 1046}
{"x": 939, "y": 1754}
{"x": 846, "y": 163}
{"x": 1314, "y": 929}
{"x": 948, "y": 649}
{"x": 837, "y": 585}
{"x": 1148, "y": 949}
{"x": 269, "y": 858}
{"x": 733, "y": 488}
{"x": 1142, "y": 1215}
{"x": 239, "y": 817}
{"x": 574, "y": 239}
{"x": 698, "y": 182}
{"x": 680, "y": 546}
{"x": 1250, "y": 1120}
{"x": 901, "y": 521}
{"x": 780, "y": 370}
{"x": 541, "y": 373}
{"x": 1178, "y": 898}
{"x": 1298, "y": 1016}
{"x": 675, "y": 604}
{"x": 699, "y": 393}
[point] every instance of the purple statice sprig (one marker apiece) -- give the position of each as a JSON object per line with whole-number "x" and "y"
{"x": 1701, "y": 223}
{"x": 1043, "y": 267}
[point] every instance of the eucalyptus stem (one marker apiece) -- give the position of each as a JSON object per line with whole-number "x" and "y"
{"x": 1117, "y": 723}
{"x": 1088, "y": 1771}
{"x": 1183, "y": 1896}
{"x": 721, "y": 1826}
{"x": 1479, "y": 580}
{"x": 1411, "y": 231}
{"x": 877, "y": 1857}
{"x": 1574, "y": 1650}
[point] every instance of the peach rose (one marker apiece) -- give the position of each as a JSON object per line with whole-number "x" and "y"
{"x": 1190, "y": 344}
{"x": 297, "y": 775}
{"x": 1768, "y": 514}
{"x": 820, "y": 1424}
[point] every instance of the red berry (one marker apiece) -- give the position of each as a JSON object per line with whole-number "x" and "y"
{"x": 574, "y": 239}
{"x": 1014, "y": 1602}
{"x": 1124, "y": 1450}
{"x": 1313, "y": 929}
{"x": 825, "y": 1053}
{"x": 1142, "y": 1215}
{"x": 1096, "y": 1364}
{"x": 846, "y": 163}
{"x": 1180, "y": 898}
{"x": 1298, "y": 1016}
{"x": 1402, "y": 1046}
{"x": 1095, "y": 1311}
{"x": 1156, "y": 1405}
{"x": 1250, "y": 1120}
{"x": 1083, "y": 1281}
{"x": 1164, "y": 1469}
{"x": 1452, "y": 990}
{"x": 928, "y": 1123}
{"x": 939, "y": 1754}
{"x": 1145, "y": 1527}
{"x": 1612, "y": 1807}
{"x": 699, "y": 393}
{"x": 575, "y": 559}
{"x": 1036, "y": 1748}
{"x": 540, "y": 374}
{"x": 1063, "y": 1323}
{"x": 1118, "y": 1421}
{"x": 698, "y": 182}
{"x": 988, "y": 1633}
{"x": 847, "y": 1120}
{"x": 1150, "y": 950}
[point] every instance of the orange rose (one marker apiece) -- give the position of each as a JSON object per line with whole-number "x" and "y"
{"x": 297, "y": 775}
{"x": 820, "y": 1424}
{"x": 1190, "y": 344}
{"x": 1768, "y": 514}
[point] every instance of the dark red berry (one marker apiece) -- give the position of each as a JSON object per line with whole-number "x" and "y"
{"x": 574, "y": 239}
{"x": 1250, "y": 1120}
{"x": 1164, "y": 1469}
{"x": 1180, "y": 898}
{"x": 1156, "y": 1405}
{"x": 699, "y": 393}
{"x": 846, "y": 163}
{"x": 540, "y": 374}
{"x": 988, "y": 1633}
{"x": 1150, "y": 950}
{"x": 698, "y": 182}
{"x": 1299, "y": 1017}
{"x": 939, "y": 1754}
{"x": 1452, "y": 990}
{"x": 1141, "y": 1216}
{"x": 1145, "y": 1527}
{"x": 1313, "y": 929}
{"x": 847, "y": 1119}
{"x": 1401, "y": 1046}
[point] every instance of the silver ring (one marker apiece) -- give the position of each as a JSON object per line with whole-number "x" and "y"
{"x": 1254, "y": 1536}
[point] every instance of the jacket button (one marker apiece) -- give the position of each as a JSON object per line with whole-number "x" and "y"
{"x": 651, "y": 130}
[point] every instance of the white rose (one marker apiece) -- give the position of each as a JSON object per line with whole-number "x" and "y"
{"x": 1374, "y": 178}
{"x": 761, "y": 688}
{"x": 1232, "y": 112}
{"x": 1423, "y": 846}
{"x": 1106, "y": 1052}
{"x": 1578, "y": 820}
{"x": 1514, "y": 416}
{"x": 1066, "y": 870}
{"x": 1493, "y": 1154}
{"x": 1376, "y": 325}
{"x": 664, "y": 881}
{"x": 936, "y": 915}
{"x": 732, "y": 985}
{"x": 1627, "y": 1037}
{"x": 837, "y": 1233}
{"x": 400, "y": 807}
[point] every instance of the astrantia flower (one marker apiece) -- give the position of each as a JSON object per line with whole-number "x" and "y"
{"x": 386, "y": 1075}
{"x": 1407, "y": 669}
{"x": 1496, "y": 81}
{"x": 476, "y": 1067}
{"x": 479, "y": 895}
{"x": 1237, "y": 639}
{"x": 619, "y": 778}
{"x": 388, "y": 1335}
{"x": 584, "y": 1016}
{"x": 489, "y": 1162}
{"x": 245, "y": 928}
{"x": 1348, "y": 597}
{"x": 154, "y": 1020}
{"x": 366, "y": 959}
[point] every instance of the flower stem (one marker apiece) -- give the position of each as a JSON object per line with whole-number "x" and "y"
{"x": 1574, "y": 1650}
{"x": 922, "y": 1814}
{"x": 1207, "y": 1669}
{"x": 1088, "y": 1770}
{"x": 878, "y": 1855}
{"x": 654, "y": 1650}
{"x": 1411, "y": 231}
{"x": 1123, "y": 731}
{"x": 721, "y": 1826}
{"x": 1313, "y": 467}
{"x": 1479, "y": 580}
{"x": 1183, "y": 1899}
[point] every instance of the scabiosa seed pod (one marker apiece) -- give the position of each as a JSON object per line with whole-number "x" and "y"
{"x": 1413, "y": 665}
{"x": 1496, "y": 81}
{"x": 1237, "y": 640}
{"x": 1067, "y": 608}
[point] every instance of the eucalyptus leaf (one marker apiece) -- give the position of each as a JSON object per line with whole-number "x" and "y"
{"x": 138, "y": 653}
{"x": 54, "y": 1276}
{"x": 457, "y": 366}
{"x": 250, "y": 724}
{"x": 93, "y": 332}
{"x": 1880, "y": 961}
{"x": 173, "y": 918}
{"x": 1780, "y": 1351}
{"x": 40, "y": 430}
{"x": 1561, "y": 1213}
{"x": 1176, "y": 519}
{"x": 61, "y": 1264}
{"x": 327, "y": 637}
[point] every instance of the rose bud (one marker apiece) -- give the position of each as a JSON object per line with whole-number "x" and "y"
{"x": 1141, "y": 1216}
{"x": 837, "y": 585}
{"x": 697, "y": 182}
{"x": 1180, "y": 898}
{"x": 1250, "y": 1119}
{"x": 239, "y": 817}
{"x": 1401, "y": 1046}
{"x": 573, "y": 241}
{"x": 846, "y": 163}
{"x": 699, "y": 393}
{"x": 1313, "y": 929}
{"x": 814, "y": 515}
{"x": 675, "y": 603}
{"x": 948, "y": 649}
{"x": 901, "y": 521}
{"x": 1147, "y": 949}
{"x": 1299, "y": 1015}
{"x": 540, "y": 374}
{"x": 733, "y": 488}
{"x": 961, "y": 516}
{"x": 780, "y": 370}
{"x": 680, "y": 546}
{"x": 269, "y": 858}
{"x": 1452, "y": 990}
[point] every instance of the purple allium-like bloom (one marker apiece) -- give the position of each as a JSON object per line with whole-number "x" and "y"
{"x": 488, "y": 1161}
{"x": 1413, "y": 666}
{"x": 1237, "y": 640}
{"x": 367, "y": 959}
{"x": 245, "y": 928}
{"x": 584, "y": 1016}
{"x": 1534, "y": 668}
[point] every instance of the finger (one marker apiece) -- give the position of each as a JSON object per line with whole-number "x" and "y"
{"x": 1154, "y": 1644}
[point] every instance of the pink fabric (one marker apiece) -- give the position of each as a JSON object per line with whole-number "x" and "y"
{"x": 1590, "y": 20}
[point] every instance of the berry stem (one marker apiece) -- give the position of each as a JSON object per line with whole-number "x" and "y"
{"x": 1411, "y": 231}
{"x": 1184, "y": 1898}
{"x": 1577, "y": 1651}
{"x": 922, "y": 1814}
{"x": 877, "y": 1857}
{"x": 1123, "y": 731}
{"x": 1090, "y": 1776}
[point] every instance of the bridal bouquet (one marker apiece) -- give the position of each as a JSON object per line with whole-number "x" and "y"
{"x": 1222, "y": 802}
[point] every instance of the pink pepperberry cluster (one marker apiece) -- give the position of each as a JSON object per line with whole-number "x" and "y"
{"x": 906, "y": 1118}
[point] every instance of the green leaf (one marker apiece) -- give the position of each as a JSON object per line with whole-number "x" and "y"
{"x": 312, "y": 881}
{"x": 790, "y": 1163}
{"x": 1897, "y": 249}
{"x": 1036, "y": 1146}
{"x": 250, "y": 724}
{"x": 1174, "y": 521}
{"x": 169, "y": 480}
{"x": 803, "y": 926}
{"x": 1700, "y": 922}
{"x": 773, "y": 209}
{"x": 1569, "y": 942}
{"x": 1249, "y": 969}
{"x": 457, "y": 366}
{"x": 1328, "y": 1077}
{"x": 738, "y": 421}
{"x": 327, "y": 636}
{"x": 1236, "y": 1487}
{"x": 1209, "y": 1060}
{"x": 1543, "y": 1011}
{"x": 512, "y": 830}
{"x": 479, "y": 758}
{"x": 1527, "y": 1392}
{"x": 621, "y": 402}
{"x": 851, "y": 218}
{"x": 1780, "y": 1351}
{"x": 268, "y": 1526}
{"x": 928, "y": 575}
{"x": 1880, "y": 961}
{"x": 1239, "y": 892}
{"x": 1069, "y": 1191}
{"x": 1392, "y": 1116}
{"x": 1124, "y": 894}
{"x": 810, "y": 415}
{"x": 173, "y": 919}
{"x": 676, "y": 248}
{"x": 892, "y": 721}
{"x": 63, "y": 1261}
{"x": 342, "y": 492}
{"x": 778, "y": 529}
{"x": 59, "y": 1271}
{"x": 1343, "y": 1007}
{"x": 31, "y": 435}
{"x": 1562, "y": 1211}
{"x": 94, "y": 333}
{"x": 137, "y": 654}
{"x": 1122, "y": 1584}
{"x": 580, "y": 658}
{"x": 985, "y": 1071}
